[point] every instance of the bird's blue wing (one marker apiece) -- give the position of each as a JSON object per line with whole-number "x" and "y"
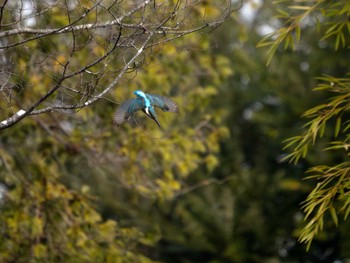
{"x": 126, "y": 109}
{"x": 164, "y": 103}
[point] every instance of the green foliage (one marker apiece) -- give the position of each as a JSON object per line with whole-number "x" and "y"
{"x": 333, "y": 180}
{"x": 42, "y": 220}
{"x": 331, "y": 190}
{"x": 328, "y": 121}
{"x": 320, "y": 116}
{"x": 333, "y": 24}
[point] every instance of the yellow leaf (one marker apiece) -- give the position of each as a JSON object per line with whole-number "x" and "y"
{"x": 174, "y": 184}
{"x": 61, "y": 59}
{"x": 211, "y": 162}
{"x": 39, "y": 251}
{"x": 81, "y": 239}
{"x": 169, "y": 48}
{"x": 87, "y": 4}
{"x": 98, "y": 51}
{"x": 85, "y": 189}
{"x": 37, "y": 227}
{"x": 107, "y": 231}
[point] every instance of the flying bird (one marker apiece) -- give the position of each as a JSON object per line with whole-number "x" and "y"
{"x": 146, "y": 103}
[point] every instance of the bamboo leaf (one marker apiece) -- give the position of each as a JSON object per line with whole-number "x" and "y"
{"x": 321, "y": 223}
{"x": 271, "y": 53}
{"x": 337, "y": 127}
{"x": 347, "y": 213}
{"x": 334, "y": 215}
{"x": 284, "y": 14}
{"x": 348, "y": 26}
{"x": 308, "y": 244}
{"x": 342, "y": 37}
{"x": 287, "y": 41}
{"x": 304, "y": 151}
{"x": 337, "y": 41}
{"x": 265, "y": 43}
{"x": 322, "y": 129}
{"x": 331, "y": 29}
{"x": 347, "y": 126}
{"x": 299, "y": 7}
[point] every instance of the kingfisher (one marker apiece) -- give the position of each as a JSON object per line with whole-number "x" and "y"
{"x": 146, "y": 103}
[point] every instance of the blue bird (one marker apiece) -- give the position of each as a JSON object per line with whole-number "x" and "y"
{"x": 146, "y": 103}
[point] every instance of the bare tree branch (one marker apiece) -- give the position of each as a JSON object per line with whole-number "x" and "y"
{"x": 55, "y": 62}
{"x": 202, "y": 184}
{"x": 2, "y": 11}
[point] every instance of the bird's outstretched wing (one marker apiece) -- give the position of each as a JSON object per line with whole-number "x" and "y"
{"x": 164, "y": 103}
{"x": 126, "y": 109}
